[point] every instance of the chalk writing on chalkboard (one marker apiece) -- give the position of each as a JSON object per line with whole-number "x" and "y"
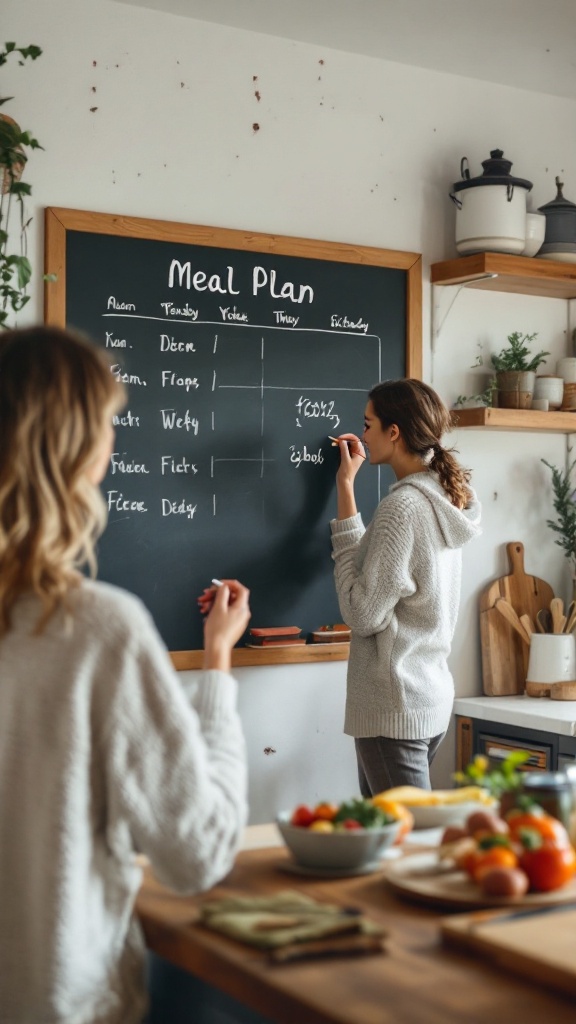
{"x": 239, "y": 364}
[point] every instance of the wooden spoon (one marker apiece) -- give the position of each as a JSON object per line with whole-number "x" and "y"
{"x": 570, "y": 618}
{"x": 506, "y": 609}
{"x": 544, "y": 620}
{"x": 558, "y": 617}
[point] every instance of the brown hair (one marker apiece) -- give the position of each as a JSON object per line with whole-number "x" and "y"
{"x": 422, "y": 419}
{"x": 56, "y": 393}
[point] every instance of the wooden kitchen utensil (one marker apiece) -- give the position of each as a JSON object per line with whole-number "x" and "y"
{"x": 557, "y": 612}
{"x": 506, "y": 609}
{"x": 570, "y": 617}
{"x": 504, "y": 653}
{"x": 528, "y": 624}
{"x": 544, "y": 621}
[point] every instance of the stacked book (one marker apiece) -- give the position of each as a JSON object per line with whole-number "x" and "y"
{"x": 276, "y": 636}
{"x": 338, "y": 633}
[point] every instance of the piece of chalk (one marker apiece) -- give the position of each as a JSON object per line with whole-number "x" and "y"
{"x": 336, "y": 444}
{"x": 217, "y": 583}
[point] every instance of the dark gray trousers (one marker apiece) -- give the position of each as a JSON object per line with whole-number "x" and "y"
{"x": 384, "y": 763}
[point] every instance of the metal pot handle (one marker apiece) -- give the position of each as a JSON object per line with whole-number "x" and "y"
{"x": 457, "y": 202}
{"x": 464, "y": 170}
{"x": 509, "y": 192}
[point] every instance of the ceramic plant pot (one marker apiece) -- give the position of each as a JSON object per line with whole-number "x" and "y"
{"x": 515, "y": 388}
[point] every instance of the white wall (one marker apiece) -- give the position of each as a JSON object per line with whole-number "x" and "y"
{"x": 349, "y": 149}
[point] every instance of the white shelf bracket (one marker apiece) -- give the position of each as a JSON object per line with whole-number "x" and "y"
{"x": 437, "y": 318}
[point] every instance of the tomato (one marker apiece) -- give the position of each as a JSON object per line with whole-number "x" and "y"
{"x": 549, "y": 867}
{"x": 320, "y": 825}
{"x": 351, "y": 825}
{"x": 325, "y": 811}
{"x": 482, "y": 861}
{"x": 302, "y": 816}
{"x": 398, "y": 811}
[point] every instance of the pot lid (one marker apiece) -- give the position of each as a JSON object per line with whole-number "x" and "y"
{"x": 496, "y": 172}
{"x": 559, "y": 203}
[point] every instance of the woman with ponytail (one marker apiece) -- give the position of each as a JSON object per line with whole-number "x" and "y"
{"x": 398, "y": 583}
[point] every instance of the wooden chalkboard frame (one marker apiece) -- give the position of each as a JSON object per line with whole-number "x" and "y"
{"x": 60, "y": 220}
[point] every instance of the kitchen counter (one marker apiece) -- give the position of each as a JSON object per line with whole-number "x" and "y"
{"x": 556, "y": 716}
{"x": 417, "y": 980}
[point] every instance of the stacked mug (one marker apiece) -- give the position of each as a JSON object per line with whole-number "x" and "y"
{"x": 557, "y": 391}
{"x": 566, "y": 368}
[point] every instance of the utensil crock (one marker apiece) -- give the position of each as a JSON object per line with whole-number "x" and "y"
{"x": 552, "y": 658}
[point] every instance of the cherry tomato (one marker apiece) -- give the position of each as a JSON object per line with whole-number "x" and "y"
{"x": 549, "y": 867}
{"x": 351, "y": 825}
{"x": 325, "y": 811}
{"x": 302, "y": 816}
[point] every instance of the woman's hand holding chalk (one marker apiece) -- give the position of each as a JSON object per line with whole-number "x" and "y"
{"x": 206, "y": 599}
{"x": 336, "y": 443}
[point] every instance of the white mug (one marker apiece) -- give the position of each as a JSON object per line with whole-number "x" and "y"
{"x": 552, "y": 658}
{"x": 566, "y": 368}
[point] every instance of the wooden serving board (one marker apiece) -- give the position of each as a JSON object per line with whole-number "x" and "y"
{"x": 422, "y": 878}
{"x": 504, "y": 654}
{"x": 538, "y": 943}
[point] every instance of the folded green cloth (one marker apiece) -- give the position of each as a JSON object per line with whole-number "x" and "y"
{"x": 272, "y": 921}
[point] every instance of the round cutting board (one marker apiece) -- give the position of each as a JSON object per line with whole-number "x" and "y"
{"x": 421, "y": 878}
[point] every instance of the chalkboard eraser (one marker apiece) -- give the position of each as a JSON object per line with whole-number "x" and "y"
{"x": 276, "y": 631}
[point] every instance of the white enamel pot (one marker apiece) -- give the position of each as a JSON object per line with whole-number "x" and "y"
{"x": 491, "y": 218}
{"x": 491, "y": 208}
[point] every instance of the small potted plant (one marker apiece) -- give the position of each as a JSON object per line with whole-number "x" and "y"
{"x": 515, "y": 370}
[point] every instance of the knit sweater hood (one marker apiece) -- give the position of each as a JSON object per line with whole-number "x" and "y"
{"x": 458, "y": 526}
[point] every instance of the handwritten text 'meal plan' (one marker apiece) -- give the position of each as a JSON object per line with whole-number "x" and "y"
{"x": 180, "y": 275}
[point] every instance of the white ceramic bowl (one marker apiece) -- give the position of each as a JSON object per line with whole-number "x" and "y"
{"x": 343, "y": 849}
{"x": 441, "y": 815}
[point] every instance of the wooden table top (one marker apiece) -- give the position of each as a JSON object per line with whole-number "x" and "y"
{"x": 416, "y": 980}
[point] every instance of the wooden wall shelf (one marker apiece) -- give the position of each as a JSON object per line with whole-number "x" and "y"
{"x": 242, "y": 656}
{"x": 523, "y": 274}
{"x": 515, "y": 419}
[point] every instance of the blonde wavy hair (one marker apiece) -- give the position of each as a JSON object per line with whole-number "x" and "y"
{"x": 57, "y": 393}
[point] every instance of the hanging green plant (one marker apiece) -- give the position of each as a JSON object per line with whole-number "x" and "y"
{"x": 15, "y": 268}
{"x": 565, "y": 508}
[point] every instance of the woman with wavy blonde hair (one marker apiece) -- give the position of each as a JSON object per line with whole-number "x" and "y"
{"x": 398, "y": 583}
{"x": 101, "y": 752}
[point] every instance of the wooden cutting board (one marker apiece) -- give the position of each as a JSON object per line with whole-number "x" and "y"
{"x": 504, "y": 655}
{"x": 538, "y": 943}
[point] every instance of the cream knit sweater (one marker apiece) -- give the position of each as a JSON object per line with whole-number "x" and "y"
{"x": 398, "y": 585}
{"x": 102, "y": 754}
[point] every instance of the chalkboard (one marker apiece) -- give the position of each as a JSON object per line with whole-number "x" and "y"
{"x": 241, "y": 353}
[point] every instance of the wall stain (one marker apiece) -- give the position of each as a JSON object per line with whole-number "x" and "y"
{"x": 269, "y": 750}
{"x": 255, "y": 127}
{"x": 93, "y": 110}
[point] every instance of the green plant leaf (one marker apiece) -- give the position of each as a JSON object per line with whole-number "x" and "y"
{"x": 23, "y": 271}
